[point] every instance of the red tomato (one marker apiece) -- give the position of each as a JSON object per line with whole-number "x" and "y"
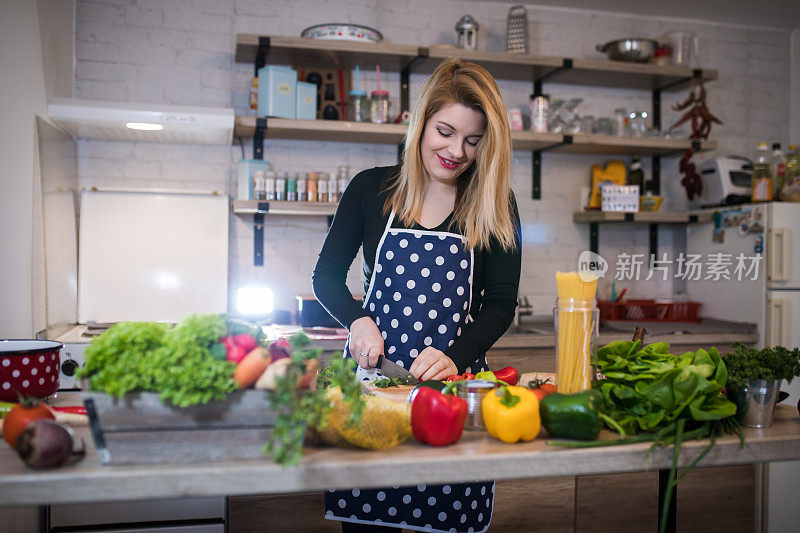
{"x": 543, "y": 390}
{"x": 467, "y": 375}
{"x": 20, "y": 416}
{"x": 453, "y": 377}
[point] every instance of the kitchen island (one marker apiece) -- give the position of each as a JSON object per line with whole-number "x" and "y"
{"x": 408, "y": 464}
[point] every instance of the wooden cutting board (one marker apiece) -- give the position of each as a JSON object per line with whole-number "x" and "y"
{"x": 396, "y": 394}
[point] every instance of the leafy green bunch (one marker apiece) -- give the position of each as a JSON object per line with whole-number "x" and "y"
{"x": 646, "y": 389}
{"x": 152, "y": 357}
{"x": 768, "y": 364}
{"x": 662, "y": 398}
{"x": 299, "y": 409}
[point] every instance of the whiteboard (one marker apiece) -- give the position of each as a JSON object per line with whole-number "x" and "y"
{"x": 147, "y": 256}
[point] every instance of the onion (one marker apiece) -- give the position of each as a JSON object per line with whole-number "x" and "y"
{"x": 47, "y": 444}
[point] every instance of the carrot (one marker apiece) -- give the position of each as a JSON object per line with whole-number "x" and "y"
{"x": 251, "y": 367}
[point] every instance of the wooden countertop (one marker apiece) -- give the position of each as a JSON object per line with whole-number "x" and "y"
{"x": 408, "y": 464}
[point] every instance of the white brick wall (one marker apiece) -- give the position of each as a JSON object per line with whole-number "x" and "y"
{"x": 181, "y": 52}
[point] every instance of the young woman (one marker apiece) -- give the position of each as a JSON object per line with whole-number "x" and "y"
{"x": 441, "y": 247}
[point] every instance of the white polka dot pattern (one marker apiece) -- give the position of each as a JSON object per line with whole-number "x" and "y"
{"x": 429, "y": 276}
{"x": 30, "y": 375}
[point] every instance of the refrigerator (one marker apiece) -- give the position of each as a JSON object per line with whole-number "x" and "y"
{"x": 766, "y": 239}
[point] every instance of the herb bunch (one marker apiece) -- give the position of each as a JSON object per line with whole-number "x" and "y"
{"x": 301, "y": 409}
{"x": 768, "y": 364}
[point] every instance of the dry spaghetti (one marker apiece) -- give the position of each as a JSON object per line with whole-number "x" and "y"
{"x": 575, "y": 324}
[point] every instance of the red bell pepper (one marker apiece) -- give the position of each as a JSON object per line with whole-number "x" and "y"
{"x": 467, "y": 375}
{"x": 437, "y": 419}
{"x": 453, "y": 377}
{"x": 508, "y": 374}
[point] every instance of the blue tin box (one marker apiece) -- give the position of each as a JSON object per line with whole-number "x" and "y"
{"x": 277, "y": 87}
{"x": 306, "y": 100}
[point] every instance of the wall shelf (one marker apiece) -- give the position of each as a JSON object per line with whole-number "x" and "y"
{"x": 574, "y": 71}
{"x": 264, "y": 207}
{"x": 322, "y": 130}
{"x": 642, "y": 217}
{"x": 364, "y": 132}
{"x": 652, "y": 218}
{"x": 326, "y": 53}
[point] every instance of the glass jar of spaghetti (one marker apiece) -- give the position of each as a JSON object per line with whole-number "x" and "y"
{"x": 576, "y": 335}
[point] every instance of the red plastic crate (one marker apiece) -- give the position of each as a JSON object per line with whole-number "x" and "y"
{"x": 649, "y": 311}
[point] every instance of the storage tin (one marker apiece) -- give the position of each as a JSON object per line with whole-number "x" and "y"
{"x": 306, "y": 101}
{"x": 277, "y": 89}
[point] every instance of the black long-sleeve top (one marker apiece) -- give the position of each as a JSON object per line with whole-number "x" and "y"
{"x": 360, "y": 221}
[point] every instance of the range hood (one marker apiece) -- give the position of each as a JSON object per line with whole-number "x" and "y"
{"x": 123, "y": 121}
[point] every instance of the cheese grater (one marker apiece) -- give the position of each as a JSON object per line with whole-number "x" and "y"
{"x": 517, "y": 30}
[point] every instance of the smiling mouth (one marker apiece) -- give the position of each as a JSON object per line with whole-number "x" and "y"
{"x": 447, "y": 163}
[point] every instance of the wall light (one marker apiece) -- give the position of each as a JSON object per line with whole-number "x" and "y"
{"x": 144, "y": 126}
{"x": 254, "y": 300}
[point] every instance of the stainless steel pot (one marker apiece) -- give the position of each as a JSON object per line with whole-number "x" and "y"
{"x": 636, "y": 49}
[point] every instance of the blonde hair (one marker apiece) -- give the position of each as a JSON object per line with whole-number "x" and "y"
{"x": 483, "y": 200}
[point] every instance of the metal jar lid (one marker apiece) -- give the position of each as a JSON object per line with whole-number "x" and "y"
{"x": 467, "y": 23}
{"x": 475, "y": 385}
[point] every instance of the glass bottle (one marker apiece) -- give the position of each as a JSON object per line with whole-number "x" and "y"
{"x": 379, "y": 107}
{"x": 761, "y": 183}
{"x": 621, "y": 122}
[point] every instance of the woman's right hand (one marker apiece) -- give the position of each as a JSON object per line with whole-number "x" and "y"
{"x": 366, "y": 342}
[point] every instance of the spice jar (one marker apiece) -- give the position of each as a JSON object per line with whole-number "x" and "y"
{"x": 280, "y": 187}
{"x": 291, "y": 187}
{"x": 358, "y": 107}
{"x": 302, "y": 192}
{"x": 259, "y": 185}
{"x": 270, "y": 185}
{"x": 322, "y": 187}
{"x": 333, "y": 189}
{"x": 379, "y": 107}
{"x": 312, "y": 187}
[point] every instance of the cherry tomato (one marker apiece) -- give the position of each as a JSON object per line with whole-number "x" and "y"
{"x": 20, "y": 416}
{"x": 543, "y": 390}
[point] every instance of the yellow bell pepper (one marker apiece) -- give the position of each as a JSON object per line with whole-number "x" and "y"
{"x": 511, "y": 414}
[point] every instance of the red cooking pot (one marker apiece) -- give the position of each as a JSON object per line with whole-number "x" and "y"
{"x": 28, "y": 367}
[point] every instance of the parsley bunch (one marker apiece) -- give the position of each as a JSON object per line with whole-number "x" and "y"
{"x": 768, "y": 364}
{"x": 301, "y": 409}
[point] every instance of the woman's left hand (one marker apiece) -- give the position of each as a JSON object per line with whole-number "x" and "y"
{"x": 432, "y": 364}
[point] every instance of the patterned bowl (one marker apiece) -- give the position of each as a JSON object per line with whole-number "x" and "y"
{"x": 28, "y": 367}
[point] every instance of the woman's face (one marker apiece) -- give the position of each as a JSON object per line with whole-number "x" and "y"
{"x": 450, "y": 140}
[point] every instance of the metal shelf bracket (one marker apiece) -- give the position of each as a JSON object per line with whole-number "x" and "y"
{"x": 536, "y": 166}
{"x": 258, "y": 233}
{"x": 537, "y": 82}
{"x": 405, "y": 74}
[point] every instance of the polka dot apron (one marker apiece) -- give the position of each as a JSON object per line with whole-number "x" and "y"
{"x": 420, "y": 295}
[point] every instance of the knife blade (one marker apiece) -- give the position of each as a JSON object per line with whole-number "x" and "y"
{"x": 393, "y": 370}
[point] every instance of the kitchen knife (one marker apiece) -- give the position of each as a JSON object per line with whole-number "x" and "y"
{"x": 393, "y": 370}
